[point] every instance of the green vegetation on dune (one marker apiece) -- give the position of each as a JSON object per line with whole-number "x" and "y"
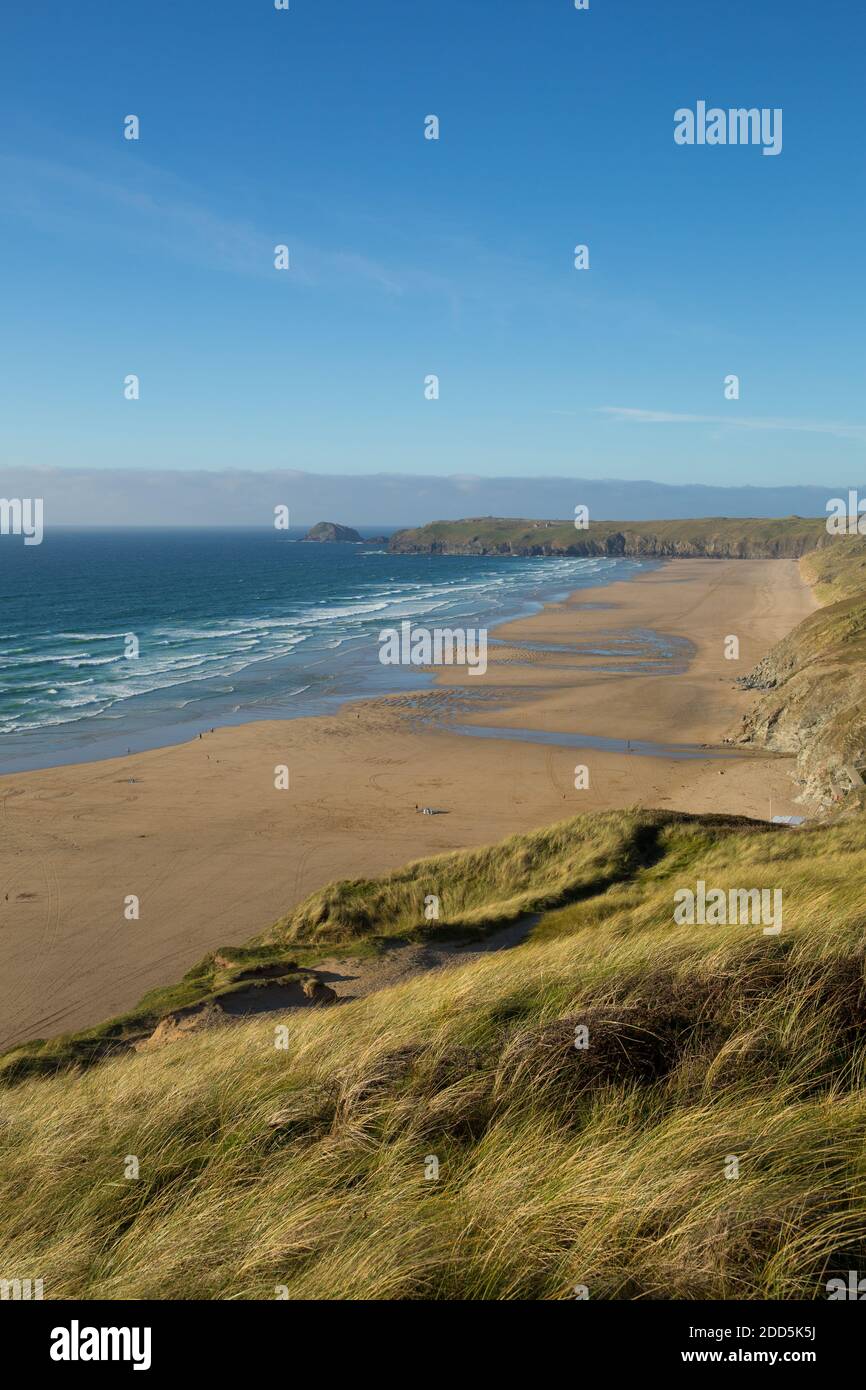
{"x": 305, "y": 1168}
{"x": 477, "y": 890}
{"x": 713, "y": 537}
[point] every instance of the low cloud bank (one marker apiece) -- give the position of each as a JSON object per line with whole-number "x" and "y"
{"x": 154, "y": 497}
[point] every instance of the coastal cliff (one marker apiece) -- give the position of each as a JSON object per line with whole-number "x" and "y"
{"x": 719, "y": 538}
{"x": 813, "y": 691}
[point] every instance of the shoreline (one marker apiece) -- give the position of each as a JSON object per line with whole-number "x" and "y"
{"x": 215, "y": 853}
{"x": 313, "y": 677}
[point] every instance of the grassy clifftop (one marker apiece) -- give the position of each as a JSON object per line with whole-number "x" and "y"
{"x": 715, "y": 537}
{"x": 707, "y": 1142}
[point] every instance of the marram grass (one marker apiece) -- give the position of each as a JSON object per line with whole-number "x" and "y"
{"x": 303, "y": 1171}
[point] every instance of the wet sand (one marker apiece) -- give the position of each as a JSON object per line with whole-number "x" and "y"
{"x": 215, "y": 852}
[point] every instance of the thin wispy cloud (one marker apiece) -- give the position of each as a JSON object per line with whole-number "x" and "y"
{"x": 135, "y": 203}
{"x": 147, "y": 206}
{"x": 838, "y": 428}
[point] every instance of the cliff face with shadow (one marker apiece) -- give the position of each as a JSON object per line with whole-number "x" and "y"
{"x": 720, "y": 538}
{"x": 812, "y": 684}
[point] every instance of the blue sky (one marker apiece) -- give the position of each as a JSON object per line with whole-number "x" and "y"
{"x": 412, "y": 257}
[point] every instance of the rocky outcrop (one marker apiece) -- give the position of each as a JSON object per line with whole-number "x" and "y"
{"x": 819, "y": 716}
{"x": 812, "y": 703}
{"x": 330, "y": 531}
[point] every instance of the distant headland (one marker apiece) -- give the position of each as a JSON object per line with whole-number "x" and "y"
{"x": 720, "y": 538}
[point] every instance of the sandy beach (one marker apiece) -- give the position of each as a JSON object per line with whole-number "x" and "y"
{"x": 215, "y": 852}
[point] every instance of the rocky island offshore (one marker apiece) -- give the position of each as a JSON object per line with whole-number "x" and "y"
{"x": 330, "y": 531}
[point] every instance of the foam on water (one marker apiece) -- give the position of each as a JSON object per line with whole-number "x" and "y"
{"x": 207, "y": 607}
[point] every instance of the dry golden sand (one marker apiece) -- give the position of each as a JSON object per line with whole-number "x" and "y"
{"x": 215, "y": 853}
